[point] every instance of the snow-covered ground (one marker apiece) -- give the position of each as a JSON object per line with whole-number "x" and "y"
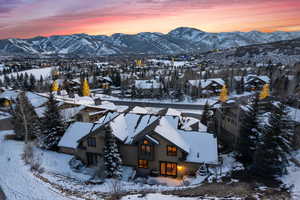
{"x": 16, "y": 180}
{"x": 37, "y": 73}
{"x": 19, "y": 183}
{"x": 293, "y": 177}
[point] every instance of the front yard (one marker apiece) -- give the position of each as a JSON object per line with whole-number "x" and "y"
{"x": 58, "y": 181}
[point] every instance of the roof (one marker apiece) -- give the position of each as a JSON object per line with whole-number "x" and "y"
{"x": 169, "y": 132}
{"x": 203, "y": 83}
{"x": 146, "y": 84}
{"x": 75, "y": 132}
{"x": 9, "y": 94}
{"x": 251, "y": 77}
{"x": 126, "y": 126}
{"x": 84, "y": 100}
{"x": 203, "y": 147}
{"x": 36, "y": 100}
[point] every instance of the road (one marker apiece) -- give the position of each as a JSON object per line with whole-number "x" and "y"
{"x": 159, "y": 105}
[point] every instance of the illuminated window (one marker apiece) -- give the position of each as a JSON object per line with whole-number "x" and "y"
{"x": 168, "y": 169}
{"x": 145, "y": 148}
{"x": 171, "y": 151}
{"x": 143, "y": 164}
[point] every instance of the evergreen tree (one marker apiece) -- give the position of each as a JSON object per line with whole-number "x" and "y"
{"x": 271, "y": 157}
{"x": 32, "y": 82}
{"x": 112, "y": 158}
{"x": 23, "y": 117}
{"x": 53, "y": 126}
{"x": 206, "y": 114}
{"x": 249, "y": 133}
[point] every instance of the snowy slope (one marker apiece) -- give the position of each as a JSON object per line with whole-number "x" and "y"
{"x": 18, "y": 183}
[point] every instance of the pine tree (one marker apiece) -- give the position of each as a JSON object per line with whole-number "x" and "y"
{"x": 271, "y": 156}
{"x": 85, "y": 88}
{"x": 224, "y": 94}
{"x": 53, "y": 126}
{"x": 249, "y": 133}
{"x": 24, "y": 118}
{"x": 112, "y": 158}
{"x": 206, "y": 114}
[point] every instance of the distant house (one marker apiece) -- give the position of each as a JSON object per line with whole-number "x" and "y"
{"x": 147, "y": 88}
{"x": 254, "y": 82}
{"x": 154, "y": 145}
{"x": 205, "y": 87}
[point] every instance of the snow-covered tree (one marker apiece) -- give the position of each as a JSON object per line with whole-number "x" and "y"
{"x": 112, "y": 158}
{"x": 249, "y": 132}
{"x": 25, "y": 122}
{"x": 53, "y": 126}
{"x": 271, "y": 156}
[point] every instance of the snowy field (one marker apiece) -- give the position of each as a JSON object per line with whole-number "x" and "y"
{"x": 37, "y": 73}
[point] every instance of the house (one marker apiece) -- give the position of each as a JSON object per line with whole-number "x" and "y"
{"x": 147, "y": 88}
{"x": 205, "y": 87}
{"x": 153, "y": 145}
{"x": 255, "y": 82}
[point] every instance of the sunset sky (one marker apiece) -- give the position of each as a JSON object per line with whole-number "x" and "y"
{"x": 29, "y": 18}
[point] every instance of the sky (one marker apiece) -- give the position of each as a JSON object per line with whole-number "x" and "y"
{"x": 30, "y": 18}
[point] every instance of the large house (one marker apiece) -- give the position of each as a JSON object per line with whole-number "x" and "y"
{"x": 205, "y": 87}
{"x": 153, "y": 144}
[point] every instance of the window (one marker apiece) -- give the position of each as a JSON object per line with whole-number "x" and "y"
{"x": 168, "y": 169}
{"x": 145, "y": 148}
{"x": 171, "y": 151}
{"x": 143, "y": 164}
{"x": 91, "y": 141}
{"x": 92, "y": 158}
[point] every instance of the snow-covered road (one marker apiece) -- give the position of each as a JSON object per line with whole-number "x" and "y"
{"x": 16, "y": 180}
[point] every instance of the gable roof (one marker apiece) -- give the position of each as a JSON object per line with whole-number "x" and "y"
{"x": 75, "y": 132}
{"x": 127, "y": 125}
{"x": 203, "y": 83}
{"x": 203, "y": 147}
{"x": 168, "y": 131}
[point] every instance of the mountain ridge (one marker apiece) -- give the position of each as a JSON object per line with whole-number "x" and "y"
{"x": 179, "y": 40}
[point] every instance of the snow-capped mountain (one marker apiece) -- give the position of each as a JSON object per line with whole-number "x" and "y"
{"x": 180, "y": 40}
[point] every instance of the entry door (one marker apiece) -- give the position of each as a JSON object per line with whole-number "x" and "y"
{"x": 168, "y": 169}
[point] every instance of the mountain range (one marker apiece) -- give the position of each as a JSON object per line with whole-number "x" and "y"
{"x": 179, "y": 40}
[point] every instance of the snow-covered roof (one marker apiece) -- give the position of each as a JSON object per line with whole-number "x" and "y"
{"x": 204, "y": 83}
{"x": 189, "y": 121}
{"x": 169, "y": 132}
{"x": 84, "y": 100}
{"x": 139, "y": 110}
{"x": 36, "y": 100}
{"x": 9, "y": 94}
{"x": 203, "y": 147}
{"x": 251, "y": 77}
{"x": 68, "y": 113}
{"x": 173, "y": 112}
{"x": 75, "y": 132}
{"x": 146, "y": 84}
{"x": 126, "y": 126}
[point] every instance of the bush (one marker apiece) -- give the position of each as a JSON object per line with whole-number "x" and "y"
{"x": 27, "y": 154}
{"x": 32, "y": 159}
